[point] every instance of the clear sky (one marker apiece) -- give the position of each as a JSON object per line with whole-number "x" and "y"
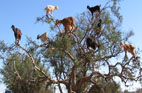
{"x": 23, "y": 13}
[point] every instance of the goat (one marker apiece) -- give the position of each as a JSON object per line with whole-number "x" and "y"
{"x": 98, "y": 28}
{"x": 43, "y": 37}
{"x": 91, "y": 43}
{"x": 94, "y": 9}
{"x": 99, "y": 24}
{"x": 50, "y": 8}
{"x": 68, "y": 23}
{"x": 17, "y": 34}
{"x": 129, "y": 48}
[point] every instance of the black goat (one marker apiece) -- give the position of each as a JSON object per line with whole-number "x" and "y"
{"x": 91, "y": 43}
{"x": 94, "y": 9}
{"x": 99, "y": 26}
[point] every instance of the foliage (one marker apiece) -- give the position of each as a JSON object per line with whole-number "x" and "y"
{"x": 80, "y": 70}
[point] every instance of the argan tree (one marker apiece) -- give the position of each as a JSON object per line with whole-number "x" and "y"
{"x": 75, "y": 66}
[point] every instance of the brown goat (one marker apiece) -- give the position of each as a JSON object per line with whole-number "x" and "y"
{"x": 17, "y": 34}
{"x": 68, "y": 23}
{"x": 129, "y": 48}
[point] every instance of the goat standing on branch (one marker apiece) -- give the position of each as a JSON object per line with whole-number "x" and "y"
{"x": 68, "y": 23}
{"x": 50, "y": 8}
{"x": 91, "y": 43}
{"x": 98, "y": 28}
{"x": 43, "y": 37}
{"x": 129, "y": 48}
{"x": 94, "y": 9}
{"x": 17, "y": 34}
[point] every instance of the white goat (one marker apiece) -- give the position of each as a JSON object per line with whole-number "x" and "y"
{"x": 50, "y": 8}
{"x": 43, "y": 37}
{"x": 128, "y": 47}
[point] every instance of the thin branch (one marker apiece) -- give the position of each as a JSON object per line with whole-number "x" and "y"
{"x": 88, "y": 29}
{"x": 17, "y": 73}
{"x": 59, "y": 28}
{"x": 105, "y": 57}
{"x": 72, "y": 78}
{"x": 105, "y": 6}
{"x": 69, "y": 54}
{"x": 61, "y": 91}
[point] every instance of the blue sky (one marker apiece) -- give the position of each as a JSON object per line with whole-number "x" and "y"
{"x": 23, "y": 13}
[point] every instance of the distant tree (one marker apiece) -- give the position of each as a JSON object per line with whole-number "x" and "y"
{"x": 18, "y": 73}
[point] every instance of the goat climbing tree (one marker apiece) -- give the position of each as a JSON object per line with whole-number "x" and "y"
{"x": 76, "y": 67}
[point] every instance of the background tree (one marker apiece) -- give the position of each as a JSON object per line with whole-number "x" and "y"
{"x": 18, "y": 73}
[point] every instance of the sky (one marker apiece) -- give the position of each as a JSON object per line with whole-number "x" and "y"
{"x": 23, "y": 13}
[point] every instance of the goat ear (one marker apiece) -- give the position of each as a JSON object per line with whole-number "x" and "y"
{"x": 56, "y": 21}
{"x": 132, "y": 47}
{"x": 121, "y": 44}
{"x": 88, "y": 6}
{"x": 57, "y": 7}
{"x": 45, "y": 8}
{"x": 12, "y": 26}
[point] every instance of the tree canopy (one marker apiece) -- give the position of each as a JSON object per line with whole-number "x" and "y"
{"x": 71, "y": 63}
